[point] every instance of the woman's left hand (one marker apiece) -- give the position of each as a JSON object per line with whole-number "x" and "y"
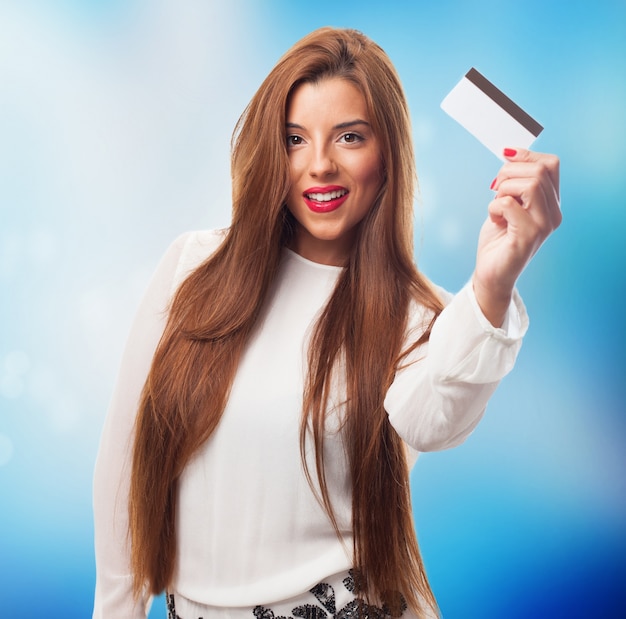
{"x": 523, "y": 213}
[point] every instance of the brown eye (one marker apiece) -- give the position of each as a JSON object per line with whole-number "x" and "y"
{"x": 294, "y": 140}
{"x": 351, "y": 138}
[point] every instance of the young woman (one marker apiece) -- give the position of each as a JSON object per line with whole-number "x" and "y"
{"x": 282, "y": 375}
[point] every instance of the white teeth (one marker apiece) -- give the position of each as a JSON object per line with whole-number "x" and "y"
{"x": 326, "y": 197}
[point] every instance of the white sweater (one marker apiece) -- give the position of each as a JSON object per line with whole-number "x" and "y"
{"x": 250, "y": 530}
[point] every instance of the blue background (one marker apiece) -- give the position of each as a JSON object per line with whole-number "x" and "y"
{"x": 115, "y": 119}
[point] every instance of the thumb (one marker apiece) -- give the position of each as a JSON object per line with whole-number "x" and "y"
{"x": 517, "y": 154}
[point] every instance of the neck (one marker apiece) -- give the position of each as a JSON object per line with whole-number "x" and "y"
{"x": 333, "y": 252}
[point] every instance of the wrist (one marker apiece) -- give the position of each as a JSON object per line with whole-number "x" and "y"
{"x": 493, "y": 301}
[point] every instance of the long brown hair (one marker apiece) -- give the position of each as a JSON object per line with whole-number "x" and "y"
{"x": 362, "y": 328}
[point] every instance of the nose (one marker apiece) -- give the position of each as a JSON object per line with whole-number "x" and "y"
{"x": 321, "y": 163}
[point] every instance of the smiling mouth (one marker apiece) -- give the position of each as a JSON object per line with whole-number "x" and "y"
{"x": 327, "y": 201}
{"x": 328, "y": 196}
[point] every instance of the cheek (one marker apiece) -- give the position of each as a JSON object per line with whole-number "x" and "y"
{"x": 371, "y": 175}
{"x": 297, "y": 163}
{"x": 293, "y": 178}
{"x": 294, "y": 200}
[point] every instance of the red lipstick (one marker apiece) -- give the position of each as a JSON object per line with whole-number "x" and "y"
{"x": 325, "y": 199}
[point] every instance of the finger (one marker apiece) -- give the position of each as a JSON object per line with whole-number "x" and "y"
{"x": 523, "y": 232}
{"x": 530, "y": 184}
{"x": 506, "y": 210}
{"x": 550, "y": 162}
{"x": 527, "y": 169}
{"x": 537, "y": 168}
{"x": 531, "y": 195}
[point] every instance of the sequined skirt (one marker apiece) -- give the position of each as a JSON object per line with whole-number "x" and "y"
{"x": 334, "y": 598}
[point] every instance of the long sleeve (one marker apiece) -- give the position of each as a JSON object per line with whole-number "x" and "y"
{"x": 113, "y": 596}
{"x": 440, "y": 393}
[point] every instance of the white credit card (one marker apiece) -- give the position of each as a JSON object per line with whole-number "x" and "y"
{"x": 489, "y": 115}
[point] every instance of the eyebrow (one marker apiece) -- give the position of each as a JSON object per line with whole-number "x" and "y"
{"x": 345, "y": 125}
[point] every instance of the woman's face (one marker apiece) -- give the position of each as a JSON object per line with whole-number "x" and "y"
{"x": 335, "y": 167}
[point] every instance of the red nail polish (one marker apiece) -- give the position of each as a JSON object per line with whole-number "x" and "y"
{"x": 493, "y": 183}
{"x": 510, "y": 152}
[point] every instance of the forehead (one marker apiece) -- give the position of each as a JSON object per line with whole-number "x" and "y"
{"x": 326, "y": 99}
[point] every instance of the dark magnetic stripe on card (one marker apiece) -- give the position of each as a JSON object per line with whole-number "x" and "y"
{"x": 510, "y": 107}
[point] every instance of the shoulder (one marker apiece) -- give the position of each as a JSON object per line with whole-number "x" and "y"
{"x": 191, "y": 249}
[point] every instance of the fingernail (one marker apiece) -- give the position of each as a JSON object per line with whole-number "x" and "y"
{"x": 493, "y": 183}
{"x": 510, "y": 152}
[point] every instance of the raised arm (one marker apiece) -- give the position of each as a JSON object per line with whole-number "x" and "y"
{"x": 523, "y": 213}
{"x": 439, "y": 396}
